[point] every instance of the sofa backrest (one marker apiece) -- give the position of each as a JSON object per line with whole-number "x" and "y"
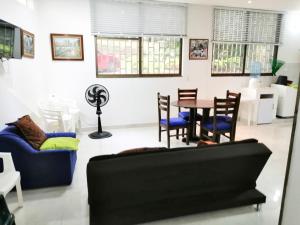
{"x": 11, "y": 130}
{"x": 12, "y": 140}
{"x": 144, "y": 178}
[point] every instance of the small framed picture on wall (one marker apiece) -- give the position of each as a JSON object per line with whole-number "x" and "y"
{"x": 198, "y": 49}
{"x": 27, "y": 44}
{"x": 67, "y": 47}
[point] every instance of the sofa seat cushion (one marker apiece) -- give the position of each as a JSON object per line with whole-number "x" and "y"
{"x": 223, "y": 124}
{"x": 174, "y": 122}
{"x": 186, "y": 115}
{"x": 31, "y": 131}
{"x": 60, "y": 143}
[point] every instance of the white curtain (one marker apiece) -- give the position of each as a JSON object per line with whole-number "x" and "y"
{"x": 247, "y": 26}
{"x": 117, "y": 17}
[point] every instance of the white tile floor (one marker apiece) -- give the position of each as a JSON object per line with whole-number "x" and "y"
{"x": 68, "y": 205}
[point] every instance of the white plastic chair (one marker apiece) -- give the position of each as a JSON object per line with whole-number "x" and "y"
{"x": 10, "y": 178}
{"x": 56, "y": 120}
{"x": 68, "y": 108}
{"x": 72, "y": 109}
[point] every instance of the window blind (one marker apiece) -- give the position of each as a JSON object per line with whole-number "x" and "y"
{"x": 117, "y": 17}
{"x": 246, "y": 26}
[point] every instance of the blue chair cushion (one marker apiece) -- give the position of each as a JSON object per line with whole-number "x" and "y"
{"x": 223, "y": 123}
{"x": 186, "y": 115}
{"x": 224, "y": 118}
{"x": 174, "y": 122}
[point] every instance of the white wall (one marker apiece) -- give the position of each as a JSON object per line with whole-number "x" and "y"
{"x": 290, "y": 48}
{"x": 20, "y": 80}
{"x": 133, "y": 100}
{"x": 291, "y": 208}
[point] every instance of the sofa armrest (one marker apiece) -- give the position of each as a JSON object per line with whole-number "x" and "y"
{"x": 61, "y": 134}
{"x": 47, "y": 168}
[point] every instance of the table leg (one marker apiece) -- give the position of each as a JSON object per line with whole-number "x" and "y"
{"x": 205, "y": 117}
{"x": 192, "y": 127}
{"x": 192, "y": 123}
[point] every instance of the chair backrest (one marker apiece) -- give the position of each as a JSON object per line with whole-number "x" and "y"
{"x": 5, "y": 216}
{"x": 227, "y": 107}
{"x": 232, "y": 94}
{"x": 8, "y": 164}
{"x": 50, "y": 115}
{"x": 187, "y": 94}
{"x": 163, "y": 107}
{"x": 224, "y": 107}
{"x": 237, "y": 96}
{"x": 65, "y": 103}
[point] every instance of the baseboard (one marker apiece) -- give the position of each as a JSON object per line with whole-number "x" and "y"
{"x": 284, "y": 117}
{"x": 119, "y": 126}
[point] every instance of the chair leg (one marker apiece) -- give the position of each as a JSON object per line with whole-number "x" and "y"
{"x": 19, "y": 193}
{"x": 188, "y": 136}
{"x": 182, "y": 132}
{"x": 214, "y": 138}
{"x": 168, "y": 137}
{"x": 177, "y": 134}
{"x": 201, "y": 133}
{"x": 199, "y": 130}
{"x": 232, "y": 136}
{"x": 159, "y": 133}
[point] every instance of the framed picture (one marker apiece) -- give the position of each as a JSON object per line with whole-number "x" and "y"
{"x": 198, "y": 49}
{"x": 67, "y": 46}
{"x": 27, "y": 43}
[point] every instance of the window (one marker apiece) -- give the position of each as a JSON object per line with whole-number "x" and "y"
{"x": 244, "y": 40}
{"x": 138, "y": 57}
{"x": 157, "y": 28}
{"x": 117, "y": 56}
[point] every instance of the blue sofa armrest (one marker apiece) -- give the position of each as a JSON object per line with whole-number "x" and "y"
{"x": 39, "y": 168}
{"x": 51, "y": 168}
{"x": 61, "y": 134}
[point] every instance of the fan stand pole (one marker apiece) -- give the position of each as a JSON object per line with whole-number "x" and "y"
{"x": 99, "y": 124}
{"x": 99, "y": 134}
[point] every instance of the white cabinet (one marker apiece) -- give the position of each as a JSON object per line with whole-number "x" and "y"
{"x": 286, "y": 100}
{"x": 265, "y": 108}
{"x": 258, "y": 105}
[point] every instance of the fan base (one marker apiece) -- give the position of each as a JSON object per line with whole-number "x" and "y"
{"x": 96, "y": 135}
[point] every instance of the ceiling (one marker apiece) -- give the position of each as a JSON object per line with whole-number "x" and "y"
{"x": 279, "y": 5}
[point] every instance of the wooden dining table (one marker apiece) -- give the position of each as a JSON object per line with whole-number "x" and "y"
{"x": 193, "y": 105}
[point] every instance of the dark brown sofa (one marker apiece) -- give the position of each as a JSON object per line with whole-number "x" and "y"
{"x": 141, "y": 187}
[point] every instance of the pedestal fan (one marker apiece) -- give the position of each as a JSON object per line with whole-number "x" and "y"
{"x": 97, "y": 96}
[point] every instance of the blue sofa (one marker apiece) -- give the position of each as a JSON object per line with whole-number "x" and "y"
{"x": 38, "y": 168}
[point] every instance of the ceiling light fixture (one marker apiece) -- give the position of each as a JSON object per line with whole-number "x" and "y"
{"x": 249, "y": 2}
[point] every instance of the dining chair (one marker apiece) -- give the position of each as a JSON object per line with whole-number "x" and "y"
{"x": 10, "y": 178}
{"x": 187, "y": 94}
{"x": 223, "y": 122}
{"x": 167, "y": 124}
{"x": 5, "y": 216}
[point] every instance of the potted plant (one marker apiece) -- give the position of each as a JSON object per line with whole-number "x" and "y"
{"x": 276, "y": 65}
